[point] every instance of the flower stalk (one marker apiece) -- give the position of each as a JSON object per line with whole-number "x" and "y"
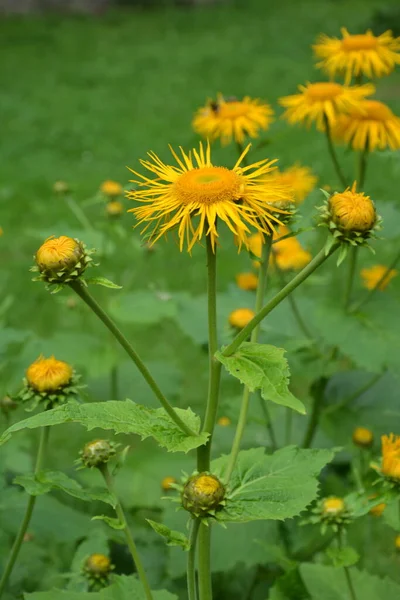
{"x": 191, "y": 559}
{"x": 332, "y": 153}
{"x": 350, "y": 276}
{"x": 85, "y": 295}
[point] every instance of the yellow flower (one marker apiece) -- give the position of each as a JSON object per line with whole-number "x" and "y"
{"x": 361, "y": 54}
{"x": 363, "y": 437}
{"x": 111, "y": 188}
{"x": 375, "y": 127}
{"x": 290, "y": 254}
{"x": 323, "y": 100}
{"x": 240, "y": 317}
{"x": 58, "y": 253}
{"x": 333, "y": 506}
{"x": 203, "y": 494}
{"x": 114, "y": 208}
{"x": 48, "y": 374}
{"x": 255, "y": 244}
{"x": 300, "y": 180}
{"x": 166, "y": 483}
{"x": 372, "y": 276}
{"x": 98, "y": 565}
{"x": 247, "y": 281}
{"x": 397, "y": 542}
{"x": 391, "y": 456}
{"x": 224, "y": 421}
{"x": 232, "y": 118}
{"x": 376, "y": 511}
{"x": 194, "y": 195}
{"x": 352, "y": 210}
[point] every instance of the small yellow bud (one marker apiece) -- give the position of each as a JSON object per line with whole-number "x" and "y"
{"x": 363, "y": 437}
{"x": 240, "y": 317}
{"x": 97, "y": 453}
{"x": 203, "y": 494}
{"x": 98, "y": 565}
{"x": 61, "y": 187}
{"x": 397, "y": 542}
{"x": 247, "y": 281}
{"x": 166, "y": 483}
{"x": 111, "y": 188}
{"x": 377, "y": 510}
{"x": 333, "y": 506}
{"x": 48, "y": 375}
{"x": 352, "y": 211}
{"x": 114, "y": 208}
{"x": 224, "y": 421}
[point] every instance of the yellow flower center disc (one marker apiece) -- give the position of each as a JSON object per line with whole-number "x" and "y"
{"x": 208, "y": 185}
{"x": 324, "y": 91}
{"x": 359, "y": 42}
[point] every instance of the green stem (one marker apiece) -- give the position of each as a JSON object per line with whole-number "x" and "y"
{"x": 44, "y": 436}
{"x": 352, "y": 593}
{"x": 204, "y": 452}
{"x": 114, "y": 382}
{"x": 332, "y": 153}
{"x": 376, "y": 287}
{"x": 293, "y": 305}
{"x": 262, "y": 282}
{"x": 362, "y": 166}
{"x": 204, "y": 546}
{"x": 268, "y": 422}
{"x": 281, "y": 295}
{"x": 317, "y": 391}
{"x": 191, "y": 560}
{"x": 288, "y": 426}
{"x": 79, "y": 214}
{"x": 84, "y": 294}
{"x": 350, "y": 276}
{"x": 128, "y": 535}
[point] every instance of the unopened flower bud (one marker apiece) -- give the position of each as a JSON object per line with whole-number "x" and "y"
{"x": 240, "y": 317}
{"x": 363, "y": 437}
{"x": 97, "y": 453}
{"x": 224, "y": 421}
{"x": 203, "y": 494}
{"x": 114, "y": 208}
{"x": 97, "y": 568}
{"x": 166, "y": 483}
{"x": 111, "y": 188}
{"x": 61, "y": 259}
{"x": 333, "y": 506}
{"x": 48, "y": 375}
{"x": 247, "y": 281}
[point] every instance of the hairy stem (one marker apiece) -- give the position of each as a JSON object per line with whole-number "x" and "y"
{"x": 268, "y": 422}
{"x": 128, "y": 535}
{"x": 352, "y": 592}
{"x": 293, "y": 305}
{"x": 83, "y": 293}
{"x": 191, "y": 559}
{"x": 44, "y": 436}
{"x": 332, "y": 153}
{"x": 281, "y": 295}
{"x": 261, "y": 285}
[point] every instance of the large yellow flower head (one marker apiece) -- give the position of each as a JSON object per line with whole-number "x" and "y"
{"x": 355, "y": 55}
{"x": 323, "y": 101}
{"x": 194, "y": 194}
{"x": 48, "y": 374}
{"x": 372, "y": 276}
{"x": 375, "y": 127}
{"x": 289, "y": 254}
{"x": 300, "y": 180}
{"x": 391, "y": 457}
{"x": 229, "y": 118}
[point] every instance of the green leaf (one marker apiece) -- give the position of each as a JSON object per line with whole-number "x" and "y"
{"x": 277, "y": 486}
{"x": 142, "y": 307}
{"x": 110, "y": 521}
{"x": 343, "y": 557}
{"x": 104, "y": 282}
{"x": 330, "y": 583}
{"x": 123, "y": 588}
{"x": 121, "y": 417}
{"x": 173, "y": 538}
{"x": 262, "y": 366}
{"x": 45, "y": 481}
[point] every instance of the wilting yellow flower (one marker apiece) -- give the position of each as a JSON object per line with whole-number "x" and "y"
{"x": 323, "y": 100}
{"x": 361, "y": 54}
{"x": 333, "y": 506}
{"x": 290, "y": 254}
{"x": 48, "y": 374}
{"x": 375, "y": 127}
{"x": 247, "y": 281}
{"x": 363, "y": 437}
{"x": 224, "y": 421}
{"x": 240, "y": 317}
{"x": 111, "y": 188}
{"x": 300, "y": 180}
{"x": 166, "y": 483}
{"x": 352, "y": 210}
{"x": 194, "y": 195}
{"x": 98, "y": 565}
{"x": 114, "y": 208}
{"x": 372, "y": 276}
{"x": 58, "y": 253}
{"x": 228, "y": 118}
{"x": 391, "y": 456}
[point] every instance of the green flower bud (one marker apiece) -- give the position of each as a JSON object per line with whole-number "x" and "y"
{"x": 203, "y": 494}
{"x": 97, "y": 453}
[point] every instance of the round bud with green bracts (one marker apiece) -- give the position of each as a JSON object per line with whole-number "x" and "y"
{"x": 203, "y": 495}
{"x": 363, "y": 437}
{"x": 61, "y": 260}
{"x": 97, "y": 568}
{"x": 97, "y": 453}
